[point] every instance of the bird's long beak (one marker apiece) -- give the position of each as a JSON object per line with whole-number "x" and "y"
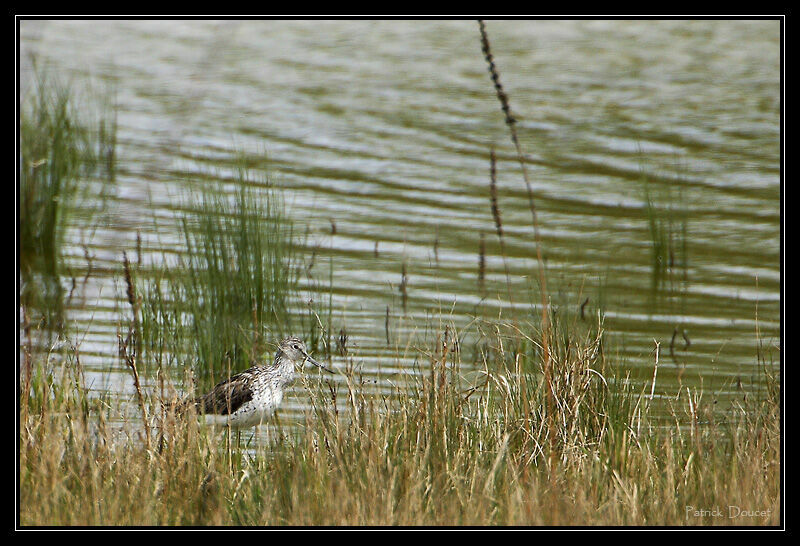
{"x": 317, "y": 364}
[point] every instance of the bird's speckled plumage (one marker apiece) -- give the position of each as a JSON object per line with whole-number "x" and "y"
{"x": 250, "y": 397}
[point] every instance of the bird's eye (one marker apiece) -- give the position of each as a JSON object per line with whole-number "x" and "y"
{"x": 296, "y": 347}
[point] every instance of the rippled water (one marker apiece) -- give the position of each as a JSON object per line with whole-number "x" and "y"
{"x": 379, "y": 133}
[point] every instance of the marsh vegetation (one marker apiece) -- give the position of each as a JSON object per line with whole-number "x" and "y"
{"x": 527, "y": 414}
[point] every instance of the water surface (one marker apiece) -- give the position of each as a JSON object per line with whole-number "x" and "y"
{"x": 379, "y": 134}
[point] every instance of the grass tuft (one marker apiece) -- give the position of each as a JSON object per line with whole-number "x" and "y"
{"x": 236, "y": 281}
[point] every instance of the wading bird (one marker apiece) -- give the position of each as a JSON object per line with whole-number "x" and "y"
{"x": 250, "y": 397}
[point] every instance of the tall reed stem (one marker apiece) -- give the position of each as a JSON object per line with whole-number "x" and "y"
{"x": 510, "y": 123}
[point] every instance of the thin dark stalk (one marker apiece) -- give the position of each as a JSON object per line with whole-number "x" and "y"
{"x": 498, "y": 221}
{"x": 403, "y": 287}
{"x": 130, "y": 354}
{"x": 386, "y": 326}
{"x": 28, "y": 362}
{"x": 436, "y": 246}
{"x": 482, "y": 264}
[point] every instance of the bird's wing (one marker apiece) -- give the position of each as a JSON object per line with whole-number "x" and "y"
{"x": 228, "y": 395}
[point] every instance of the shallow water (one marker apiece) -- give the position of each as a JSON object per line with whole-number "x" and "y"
{"x": 380, "y": 131}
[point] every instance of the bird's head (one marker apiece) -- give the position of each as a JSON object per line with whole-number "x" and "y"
{"x": 295, "y": 350}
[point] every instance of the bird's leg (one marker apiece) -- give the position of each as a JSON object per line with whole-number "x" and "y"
{"x": 228, "y": 442}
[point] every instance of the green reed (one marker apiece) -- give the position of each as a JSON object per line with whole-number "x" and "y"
{"x": 235, "y": 281}
{"x": 667, "y": 220}
{"x": 67, "y": 152}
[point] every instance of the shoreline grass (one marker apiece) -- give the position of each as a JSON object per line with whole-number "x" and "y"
{"x": 443, "y": 452}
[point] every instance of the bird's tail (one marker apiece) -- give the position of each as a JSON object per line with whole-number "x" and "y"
{"x": 180, "y": 406}
{"x": 175, "y": 410}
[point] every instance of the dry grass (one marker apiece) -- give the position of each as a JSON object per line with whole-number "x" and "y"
{"x": 444, "y": 452}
